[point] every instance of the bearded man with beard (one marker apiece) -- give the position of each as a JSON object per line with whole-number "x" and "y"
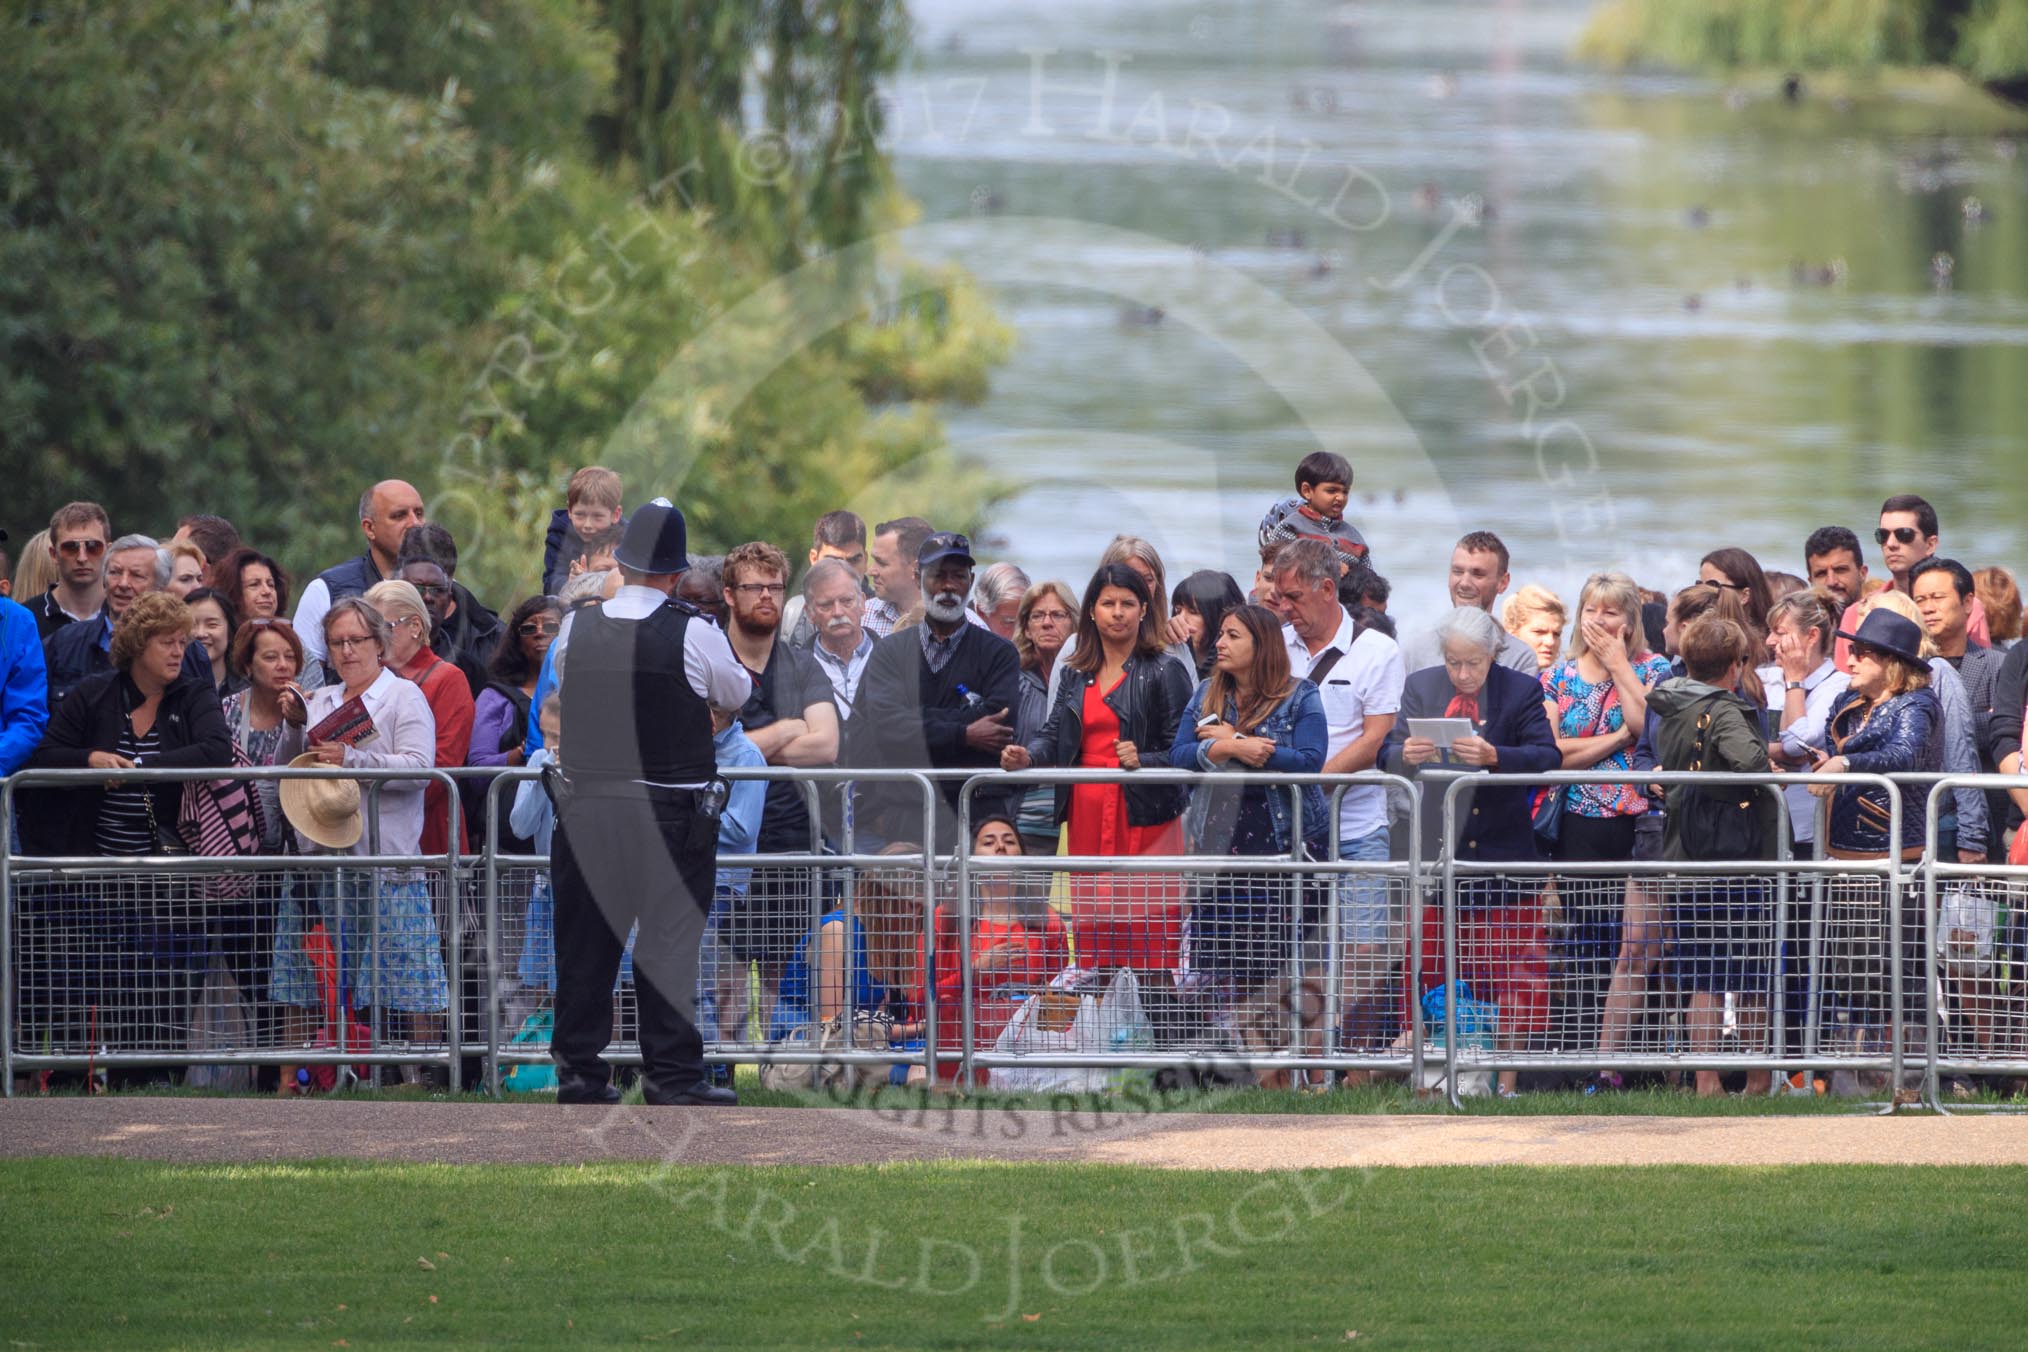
{"x": 792, "y": 720}
{"x": 937, "y": 696}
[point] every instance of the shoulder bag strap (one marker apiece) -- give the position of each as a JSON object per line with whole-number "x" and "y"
{"x": 1323, "y": 666}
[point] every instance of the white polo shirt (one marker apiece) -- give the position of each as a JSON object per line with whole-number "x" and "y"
{"x": 1366, "y": 681}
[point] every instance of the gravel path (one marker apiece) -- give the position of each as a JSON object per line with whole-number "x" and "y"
{"x": 253, "y": 1130}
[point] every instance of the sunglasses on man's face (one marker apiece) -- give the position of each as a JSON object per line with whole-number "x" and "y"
{"x": 81, "y": 549}
{"x": 1907, "y": 535}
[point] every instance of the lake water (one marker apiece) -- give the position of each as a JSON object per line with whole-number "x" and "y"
{"x": 1614, "y": 362}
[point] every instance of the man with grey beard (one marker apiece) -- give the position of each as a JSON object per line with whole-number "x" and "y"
{"x": 938, "y": 696}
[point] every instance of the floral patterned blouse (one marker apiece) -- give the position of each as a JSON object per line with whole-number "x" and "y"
{"x": 1585, "y": 709}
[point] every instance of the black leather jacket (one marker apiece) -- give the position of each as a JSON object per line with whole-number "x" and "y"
{"x": 1149, "y": 700}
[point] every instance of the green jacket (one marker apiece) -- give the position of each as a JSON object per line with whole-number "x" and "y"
{"x": 1732, "y": 742}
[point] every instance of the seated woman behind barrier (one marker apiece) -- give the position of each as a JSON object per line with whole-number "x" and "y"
{"x": 389, "y": 953}
{"x": 135, "y": 945}
{"x": 1721, "y": 929}
{"x": 1502, "y": 941}
{"x": 869, "y": 975}
{"x": 1018, "y": 945}
{"x": 1889, "y": 722}
{"x": 1252, "y": 714}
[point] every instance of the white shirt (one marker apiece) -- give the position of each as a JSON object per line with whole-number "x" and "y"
{"x": 404, "y": 737}
{"x": 713, "y": 669}
{"x": 311, "y": 607}
{"x": 1365, "y": 682}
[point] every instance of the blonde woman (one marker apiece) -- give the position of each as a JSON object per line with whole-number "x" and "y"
{"x": 1597, "y": 703}
{"x": 36, "y": 572}
{"x": 1536, "y": 616}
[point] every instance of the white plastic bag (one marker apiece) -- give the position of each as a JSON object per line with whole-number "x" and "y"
{"x": 1023, "y": 1036}
{"x": 218, "y": 1023}
{"x": 1966, "y": 919}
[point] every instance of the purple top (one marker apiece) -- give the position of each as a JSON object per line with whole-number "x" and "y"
{"x": 492, "y": 715}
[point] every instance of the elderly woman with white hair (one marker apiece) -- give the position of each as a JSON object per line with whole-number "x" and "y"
{"x": 388, "y": 947}
{"x": 443, "y": 685}
{"x": 996, "y": 597}
{"x": 1502, "y": 942}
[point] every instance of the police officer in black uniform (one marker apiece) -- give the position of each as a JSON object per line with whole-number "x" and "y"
{"x": 638, "y": 805}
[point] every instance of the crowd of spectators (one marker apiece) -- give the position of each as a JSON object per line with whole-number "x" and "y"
{"x": 896, "y": 650}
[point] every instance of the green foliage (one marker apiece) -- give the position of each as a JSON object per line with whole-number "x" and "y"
{"x": 800, "y": 168}
{"x": 1987, "y": 38}
{"x": 218, "y": 267}
{"x": 1993, "y": 45}
{"x": 256, "y": 257}
{"x": 524, "y": 75}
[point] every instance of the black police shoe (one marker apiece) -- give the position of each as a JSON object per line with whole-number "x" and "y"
{"x": 586, "y": 1091}
{"x": 701, "y": 1094}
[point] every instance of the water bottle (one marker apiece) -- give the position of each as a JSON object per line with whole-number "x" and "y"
{"x": 971, "y": 699}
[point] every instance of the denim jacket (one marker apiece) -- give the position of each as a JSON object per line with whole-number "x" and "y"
{"x": 1904, "y": 736}
{"x": 1301, "y": 736}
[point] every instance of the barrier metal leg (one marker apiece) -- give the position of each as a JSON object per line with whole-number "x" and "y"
{"x": 6, "y": 941}
{"x": 1778, "y": 1004}
{"x": 1451, "y": 1091}
{"x": 1932, "y": 976}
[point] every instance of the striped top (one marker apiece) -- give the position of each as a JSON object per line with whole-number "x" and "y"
{"x": 123, "y": 814}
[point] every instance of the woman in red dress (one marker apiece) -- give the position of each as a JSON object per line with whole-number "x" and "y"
{"x": 1117, "y": 709}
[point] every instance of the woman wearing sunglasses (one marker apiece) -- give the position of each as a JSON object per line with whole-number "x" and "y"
{"x": 500, "y": 721}
{"x": 502, "y": 716}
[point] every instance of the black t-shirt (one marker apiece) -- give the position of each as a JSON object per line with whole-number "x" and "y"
{"x": 791, "y": 683}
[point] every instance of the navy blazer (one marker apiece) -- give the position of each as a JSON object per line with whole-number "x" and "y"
{"x": 1495, "y": 822}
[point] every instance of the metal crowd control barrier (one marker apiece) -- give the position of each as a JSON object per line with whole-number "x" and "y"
{"x": 1826, "y": 940}
{"x": 128, "y": 937}
{"x": 1724, "y": 915}
{"x": 811, "y": 879}
{"x": 1975, "y": 920}
{"x": 1238, "y": 984}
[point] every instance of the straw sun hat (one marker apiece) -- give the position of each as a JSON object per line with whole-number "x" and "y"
{"x": 324, "y": 810}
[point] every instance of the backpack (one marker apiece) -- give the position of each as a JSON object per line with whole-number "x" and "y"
{"x": 1719, "y": 823}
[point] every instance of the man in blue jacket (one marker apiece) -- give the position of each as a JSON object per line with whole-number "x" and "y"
{"x": 24, "y": 687}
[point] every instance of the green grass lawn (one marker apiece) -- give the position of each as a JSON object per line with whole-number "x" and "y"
{"x": 109, "y": 1253}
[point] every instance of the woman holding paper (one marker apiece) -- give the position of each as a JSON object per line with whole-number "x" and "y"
{"x": 1502, "y": 944}
{"x": 369, "y": 719}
